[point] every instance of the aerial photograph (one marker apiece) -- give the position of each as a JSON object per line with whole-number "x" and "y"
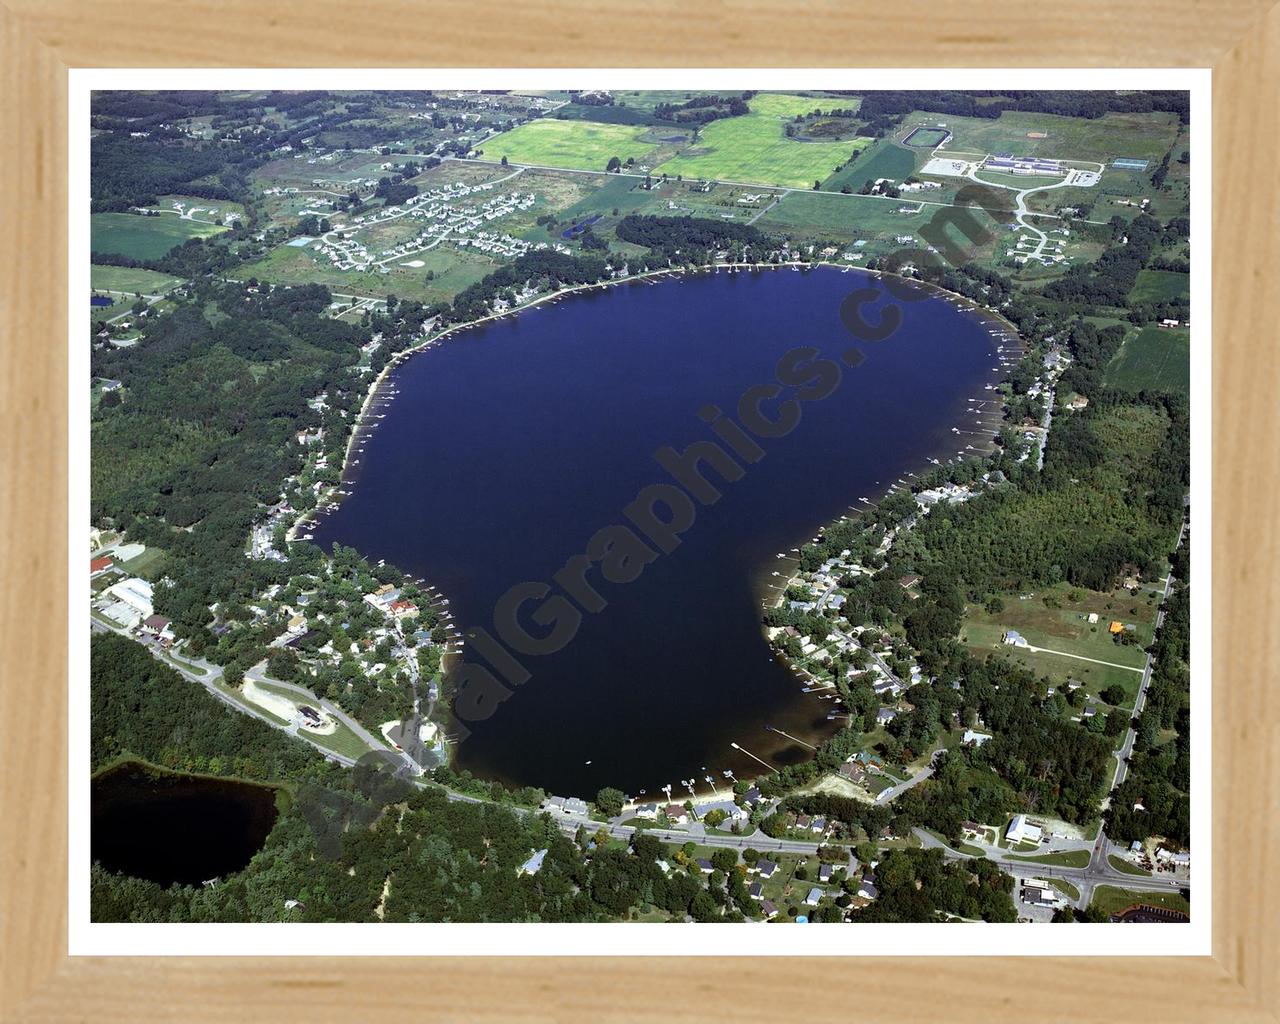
{"x": 639, "y": 506}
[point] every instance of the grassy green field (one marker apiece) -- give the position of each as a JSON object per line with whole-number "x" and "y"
{"x": 1156, "y": 358}
{"x": 130, "y": 280}
{"x": 882, "y": 159}
{"x": 1111, "y": 899}
{"x": 1160, "y": 286}
{"x": 1128, "y": 867}
{"x": 341, "y": 741}
{"x": 1066, "y": 888}
{"x": 1071, "y": 859}
{"x": 576, "y": 144}
{"x": 1066, "y": 629}
{"x": 148, "y": 565}
{"x": 1100, "y": 139}
{"x": 143, "y": 238}
{"x": 754, "y": 147}
{"x": 845, "y": 218}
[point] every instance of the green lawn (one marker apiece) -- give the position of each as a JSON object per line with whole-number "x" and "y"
{"x": 1160, "y": 286}
{"x": 147, "y": 565}
{"x": 1128, "y": 867}
{"x": 143, "y": 238}
{"x": 1102, "y": 139}
{"x": 130, "y": 280}
{"x": 754, "y": 148}
{"x": 1072, "y": 859}
{"x": 341, "y": 741}
{"x": 1066, "y": 629}
{"x": 1064, "y": 887}
{"x": 1111, "y": 899}
{"x": 1156, "y": 358}
{"x": 577, "y": 144}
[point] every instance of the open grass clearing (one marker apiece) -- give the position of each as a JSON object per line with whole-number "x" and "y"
{"x": 587, "y": 145}
{"x": 1112, "y": 899}
{"x": 1160, "y": 286}
{"x": 1156, "y": 358}
{"x": 755, "y": 148}
{"x": 129, "y": 281}
{"x": 1127, "y": 866}
{"x": 141, "y": 237}
{"x": 1070, "y": 859}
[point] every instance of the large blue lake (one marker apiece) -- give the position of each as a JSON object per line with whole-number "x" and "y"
{"x": 511, "y": 444}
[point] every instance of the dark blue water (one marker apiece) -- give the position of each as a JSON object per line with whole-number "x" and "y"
{"x": 511, "y": 444}
{"x": 101, "y": 300}
{"x": 576, "y": 229}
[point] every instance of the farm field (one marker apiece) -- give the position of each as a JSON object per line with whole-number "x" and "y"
{"x": 1143, "y": 136}
{"x": 754, "y": 148}
{"x": 586, "y": 145}
{"x": 1156, "y": 358}
{"x": 130, "y": 280}
{"x": 1067, "y": 629}
{"x": 143, "y": 238}
{"x": 882, "y": 159}
{"x": 1160, "y": 286}
{"x": 453, "y": 271}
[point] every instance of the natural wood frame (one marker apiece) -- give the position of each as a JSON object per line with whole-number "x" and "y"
{"x": 41, "y": 39}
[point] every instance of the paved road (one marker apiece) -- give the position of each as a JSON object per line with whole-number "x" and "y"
{"x": 1122, "y": 755}
{"x": 895, "y": 791}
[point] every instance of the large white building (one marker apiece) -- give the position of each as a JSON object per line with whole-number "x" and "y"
{"x": 132, "y": 601}
{"x": 1022, "y": 831}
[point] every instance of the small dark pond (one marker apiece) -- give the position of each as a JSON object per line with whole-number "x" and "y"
{"x": 170, "y": 827}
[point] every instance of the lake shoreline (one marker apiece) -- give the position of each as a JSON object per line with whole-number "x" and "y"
{"x": 987, "y": 319}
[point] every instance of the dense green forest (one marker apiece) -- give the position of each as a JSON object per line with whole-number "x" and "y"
{"x": 142, "y": 707}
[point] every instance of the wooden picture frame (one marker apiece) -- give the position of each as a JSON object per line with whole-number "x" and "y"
{"x": 42, "y": 39}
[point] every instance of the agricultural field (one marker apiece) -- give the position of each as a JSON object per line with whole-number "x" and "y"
{"x": 143, "y": 238}
{"x": 1062, "y": 626}
{"x": 882, "y": 159}
{"x": 453, "y": 271}
{"x": 585, "y": 145}
{"x": 1160, "y": 286}
{"x": 1156, "y": 358}
{"x": 130, "y": 281}
{"x": 1142, "y": 136}
{"x": 754, "y": 148}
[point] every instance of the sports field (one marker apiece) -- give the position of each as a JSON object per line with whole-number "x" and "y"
{"x": 585, "y": 145}
{"x": 131, "y": 280}
{"x": 1156, "y": 358}
{"x": 1160, "y": 286}
{"x": 925, "y": 138}
{"x": 143, "y": 238}
{"x": 755, "y": 148}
